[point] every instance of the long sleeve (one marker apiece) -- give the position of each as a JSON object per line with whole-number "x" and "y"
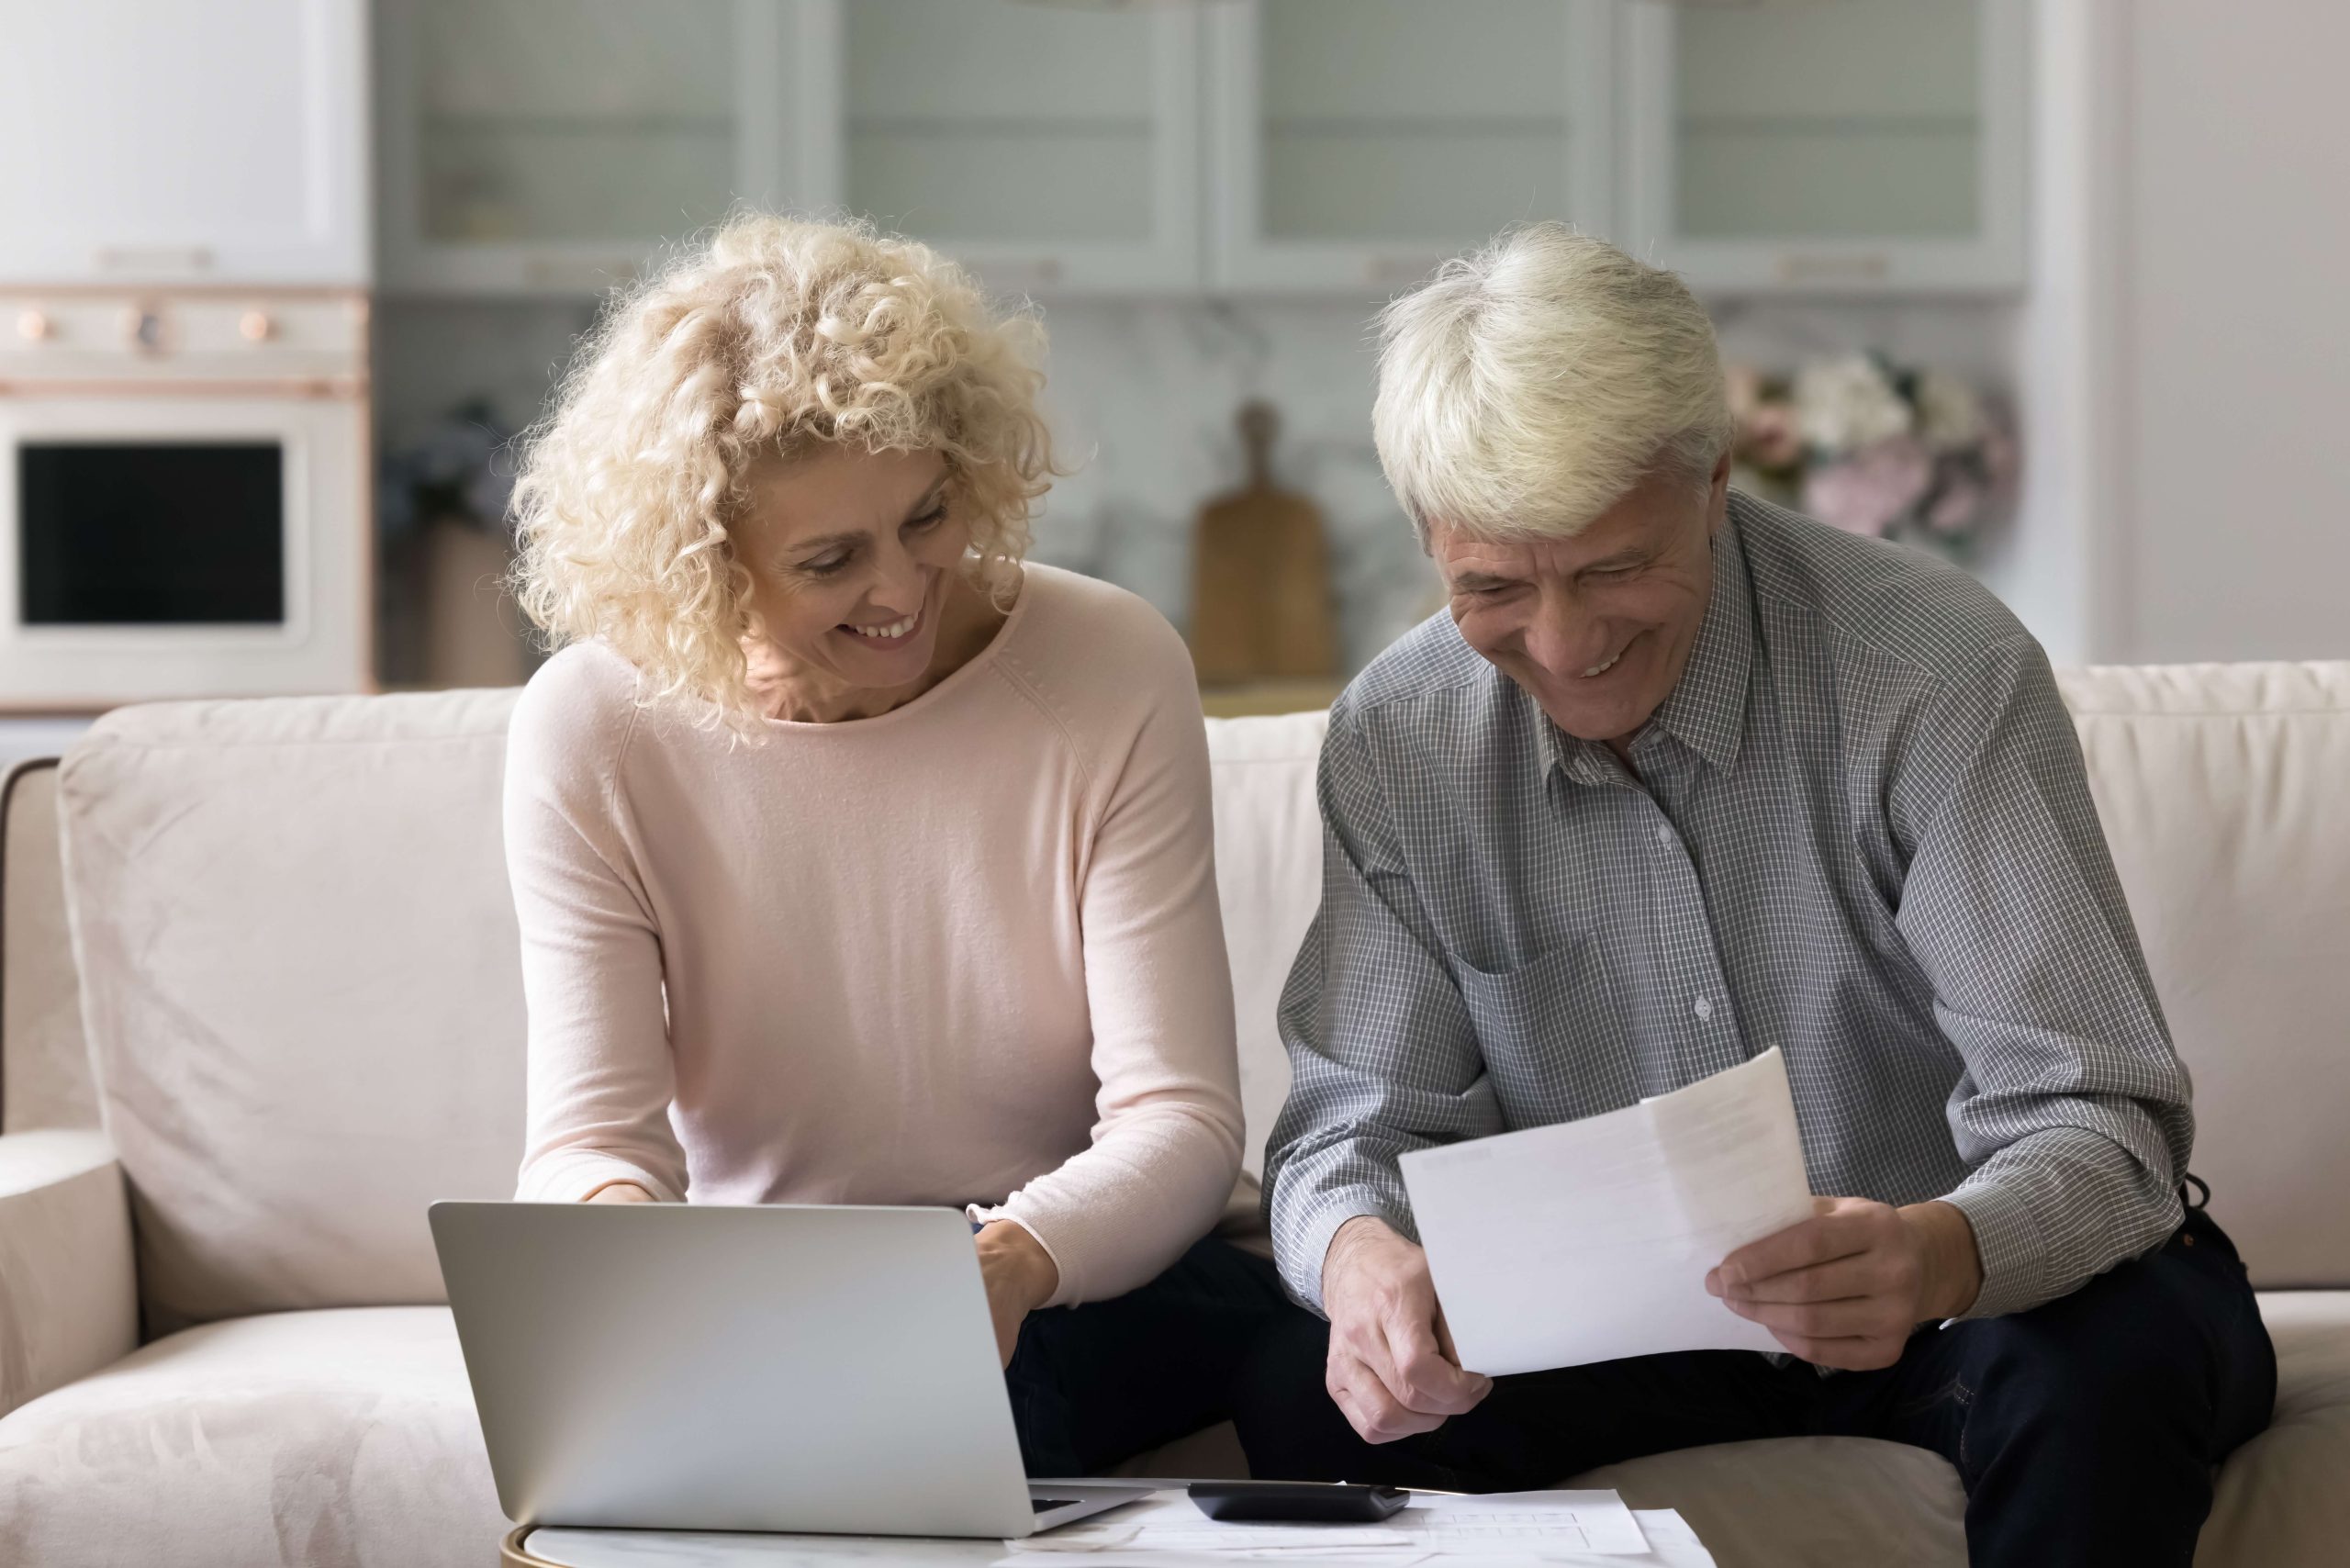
{"x": 2072, "y": 1109}
{"x": 600, "y": 1075}
{"x": 1383, "y": 1055}
{"x": 1166, "y": 1141}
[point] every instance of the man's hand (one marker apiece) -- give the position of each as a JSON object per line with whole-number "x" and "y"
{"x": 1845, "y": 1288}
{"x": 1020, "y": 1275}
{"x": 1392, "y": 1369}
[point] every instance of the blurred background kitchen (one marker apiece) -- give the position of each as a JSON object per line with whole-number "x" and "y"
{"x": 2051, "y": 286}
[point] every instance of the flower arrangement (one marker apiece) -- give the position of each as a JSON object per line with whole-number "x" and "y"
{"x": 1876, "y": 448}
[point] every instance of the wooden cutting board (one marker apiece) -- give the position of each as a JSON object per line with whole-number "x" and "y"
{"x": 1260, "y": 583}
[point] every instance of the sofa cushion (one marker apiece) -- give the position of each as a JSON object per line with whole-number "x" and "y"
{"x": 1811, "y": 1500}
{"x": 2221, "y": 789}
{"x": 301, "y": 978}
{"x": 332, "y": 1440}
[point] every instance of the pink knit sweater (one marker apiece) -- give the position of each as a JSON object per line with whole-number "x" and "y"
{"x": 964, "y": 953}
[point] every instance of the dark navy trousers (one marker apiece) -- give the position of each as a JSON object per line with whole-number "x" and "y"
{"x": 2087, "y": 1431}
{"x": 1097, "y": 1383}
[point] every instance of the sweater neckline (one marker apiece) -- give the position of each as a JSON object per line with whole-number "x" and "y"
{"x": 937, "y": 694}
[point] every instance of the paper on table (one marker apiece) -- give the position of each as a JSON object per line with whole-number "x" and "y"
{"x": 1671, "y": 1544}
{"x": 1530, "y": 1525}
{"x": 1590, "y": 1240}
{"x": 1524, "y": 1523}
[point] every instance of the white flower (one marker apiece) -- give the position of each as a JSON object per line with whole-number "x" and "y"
{"x": 1949, "y": 416}
{"x": 1845, "y": 404}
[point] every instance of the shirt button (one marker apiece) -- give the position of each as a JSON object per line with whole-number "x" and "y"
{"x": 1663, "y": 835}
{"x": 1704, "y": 1008}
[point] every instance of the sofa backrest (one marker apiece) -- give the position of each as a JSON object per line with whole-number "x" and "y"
{"x": 298, "y": 968}
{"x": 2225, "y": 794}
{"x": 299, "y": 973}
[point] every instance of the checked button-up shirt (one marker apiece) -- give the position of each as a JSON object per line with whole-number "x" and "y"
{"x": 1859, "y": 829}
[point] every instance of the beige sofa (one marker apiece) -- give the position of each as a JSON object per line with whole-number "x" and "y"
{"x": 292, "y": 961}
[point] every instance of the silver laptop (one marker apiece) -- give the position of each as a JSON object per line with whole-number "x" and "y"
{"x": 782, "y": 1368}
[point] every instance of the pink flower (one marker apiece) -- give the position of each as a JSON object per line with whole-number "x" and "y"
{"x": 1869, "y": 491}
{"x": 1955, "y": 511}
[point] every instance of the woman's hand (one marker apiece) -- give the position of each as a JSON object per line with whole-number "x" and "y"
{"x": 1020, "y": 1275}
{"x": 621, "y": 1193}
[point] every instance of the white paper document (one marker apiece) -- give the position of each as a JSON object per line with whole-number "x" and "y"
{"x": 1591, "y": 1240}
{"x": 1553, "y": 1530}
{"x": 1539, "y": 1525}
{"x": 1536, "y": 1524}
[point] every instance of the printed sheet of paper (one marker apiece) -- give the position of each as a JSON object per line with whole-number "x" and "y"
{"x": 1538, "y": 1524}
{"x": 1567, "y": 1526}
{"x": 1533, "y": 1529}
{"x": 1590, "y": 1240}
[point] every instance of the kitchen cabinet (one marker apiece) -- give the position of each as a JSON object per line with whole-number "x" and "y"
{"x": 549, "y": 146}
{"x": 1356, "y": 144}
{"x": 1845, "y": 146}
{"x": 1245, "y": 146}
{"x": 144, "y": 143}
{"x": 1049, "y": 147}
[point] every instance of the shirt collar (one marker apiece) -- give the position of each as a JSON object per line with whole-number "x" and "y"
{"x": 1705, "y": 710}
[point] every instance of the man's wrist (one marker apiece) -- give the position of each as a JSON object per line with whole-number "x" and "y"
{"x": 1953, "y": 1265}
{"x": 1362, "y": 1230}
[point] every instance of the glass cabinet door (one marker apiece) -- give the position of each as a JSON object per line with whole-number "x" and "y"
{"x": 1842, "y": 144}
{"x": 1358, "y": 142}
{"x": 1050, "y": 147}
{"x": 551, "y": 145}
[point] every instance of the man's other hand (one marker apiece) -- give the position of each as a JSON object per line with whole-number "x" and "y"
{"x": 1392, "y": 1370}
{"x": 1845, "y": 1287}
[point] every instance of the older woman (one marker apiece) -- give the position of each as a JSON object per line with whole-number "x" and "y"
{"x": 857, "y": 862}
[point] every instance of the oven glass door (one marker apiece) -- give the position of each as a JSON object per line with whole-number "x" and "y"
{"x": 149, "y": 532}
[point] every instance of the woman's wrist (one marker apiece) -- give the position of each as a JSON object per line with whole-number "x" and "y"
{"x": 620, "y": 1190}
{"x": 1012, "y": 1250}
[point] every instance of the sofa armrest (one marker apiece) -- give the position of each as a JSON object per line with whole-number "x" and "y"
{"x": 68, "y": 1298}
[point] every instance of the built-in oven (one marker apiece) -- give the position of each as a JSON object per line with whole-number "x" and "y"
{"x": 184, "y": 501}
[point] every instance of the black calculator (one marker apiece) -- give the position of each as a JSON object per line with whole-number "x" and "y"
{"x": 1296, "y": 1501}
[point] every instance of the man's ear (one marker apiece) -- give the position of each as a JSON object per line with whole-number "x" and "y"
{"x": 1718, "y": 495}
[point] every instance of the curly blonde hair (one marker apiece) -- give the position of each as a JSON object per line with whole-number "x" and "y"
{"x": 772, "y": 335}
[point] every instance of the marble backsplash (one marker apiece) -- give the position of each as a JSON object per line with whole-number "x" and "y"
{"x": 1143, "y": 395}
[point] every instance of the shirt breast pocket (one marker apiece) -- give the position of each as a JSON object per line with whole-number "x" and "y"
{"x": 1553, "y": 1035}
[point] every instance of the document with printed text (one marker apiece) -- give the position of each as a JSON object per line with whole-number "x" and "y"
{"x": 1556, "y": 1529}
{"x": 1591, "y": 1240}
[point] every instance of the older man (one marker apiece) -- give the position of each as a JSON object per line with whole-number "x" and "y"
{"x": 1682, "y": 777}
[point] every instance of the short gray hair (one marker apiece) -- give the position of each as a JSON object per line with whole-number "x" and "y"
{"x": 1524, "y": 389}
